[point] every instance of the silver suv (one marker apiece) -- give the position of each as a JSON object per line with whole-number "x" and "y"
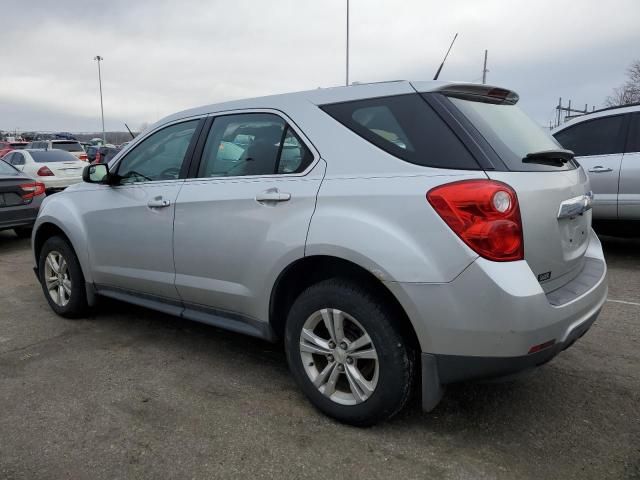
{"x": 607, "y": 144}
{"x": 395, "y": 236}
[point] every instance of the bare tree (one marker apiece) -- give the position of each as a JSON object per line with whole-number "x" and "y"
{"x": 629, "y": 92}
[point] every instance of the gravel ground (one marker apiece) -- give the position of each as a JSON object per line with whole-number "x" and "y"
{"x": 130, "y": 393}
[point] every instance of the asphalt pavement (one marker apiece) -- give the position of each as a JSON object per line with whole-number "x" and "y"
{"x": 131, "y": 393}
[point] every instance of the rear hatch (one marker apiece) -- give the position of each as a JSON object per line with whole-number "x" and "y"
{"x": 75, "y": 148}
{"x": 545, "y": 177}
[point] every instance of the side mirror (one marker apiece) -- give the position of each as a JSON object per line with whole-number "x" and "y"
{"x": 96, "y": 173}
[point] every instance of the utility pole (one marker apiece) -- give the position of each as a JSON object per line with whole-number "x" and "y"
{"x": 347, "y": 69}
{"x": 484, "y": 69}
{"x": 98, "y": 58}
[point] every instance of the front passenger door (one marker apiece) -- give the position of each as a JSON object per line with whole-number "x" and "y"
{"x": 599, "y": 146}
{"x": 130, "y": 224}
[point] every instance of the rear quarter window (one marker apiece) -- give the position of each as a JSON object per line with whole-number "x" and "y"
{"x": 406, "y": 127}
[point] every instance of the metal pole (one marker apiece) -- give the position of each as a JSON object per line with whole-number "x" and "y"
{"x": 484, "y": 70}
{"x": 99, "y": 59}
{"x": 347, "y": 69}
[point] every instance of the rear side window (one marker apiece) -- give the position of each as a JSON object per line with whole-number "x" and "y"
{"x": 67, "y": 146}
{"x": 633, "y": 140}
{"x": 600, "y": 136}
{"x": 252, "y": 144}
{"x": 406, "y": 127}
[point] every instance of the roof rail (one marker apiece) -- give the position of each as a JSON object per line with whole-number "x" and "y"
{"x": 636, "y": 104}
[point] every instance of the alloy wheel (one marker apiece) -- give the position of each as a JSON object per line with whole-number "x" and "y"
{"x": 339, "y": 356}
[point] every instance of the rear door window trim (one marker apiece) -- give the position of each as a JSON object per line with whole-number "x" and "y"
{"x": 199, "y": 150}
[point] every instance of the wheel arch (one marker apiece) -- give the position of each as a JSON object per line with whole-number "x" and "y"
{"x": 306, "y": 271}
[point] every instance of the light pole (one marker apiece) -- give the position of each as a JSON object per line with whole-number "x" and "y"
{"x": 98, "y": 58}
{"x": 347, "y": 82}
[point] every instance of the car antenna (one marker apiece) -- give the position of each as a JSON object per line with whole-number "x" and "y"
{"x": 130, "y": 132}
{"x": 445, "y": 57}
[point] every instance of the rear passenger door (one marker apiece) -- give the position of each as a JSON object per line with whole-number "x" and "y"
{"x": 599, "y": 147}
{"x": 244, "y": 214}
{"x": 629, "y": 194}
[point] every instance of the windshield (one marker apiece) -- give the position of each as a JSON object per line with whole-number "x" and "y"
{"x": 67, "y": 146}
{"x": 48, "y": 156}
{"x": 511, "y": 133}
{"x": 6, "y": 169}
{"x": 18, "y": 146}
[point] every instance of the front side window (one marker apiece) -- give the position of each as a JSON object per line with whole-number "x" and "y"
{"x": 159, "y": 156}
{"x": 252, "y": 144}
{"x": 602, "y": 136}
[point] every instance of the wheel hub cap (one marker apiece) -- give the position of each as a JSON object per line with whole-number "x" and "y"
{"x": 57, "y": 279}
{"x": 339, "y": 356}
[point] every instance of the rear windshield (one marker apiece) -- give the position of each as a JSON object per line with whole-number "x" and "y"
{"x": 511, "y": 133}
{"x": 47, "y": 156}
{"x": 67, "y": 146}
{"x": 6, "y": 169}
{"x": 18, "y": 146}
{"x": 407, "y": 127}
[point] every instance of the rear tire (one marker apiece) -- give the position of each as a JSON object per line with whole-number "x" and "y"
{"x": 62, "y": 279}
{"x": 23, "y": 232}
{"x": 353, "y": 378}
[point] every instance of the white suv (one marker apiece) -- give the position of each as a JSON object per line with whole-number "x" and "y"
{"x": 73, "y": 147}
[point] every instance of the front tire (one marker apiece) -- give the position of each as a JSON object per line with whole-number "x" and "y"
{"x": 62, "y": 279}
{"x": 347, "y": 354}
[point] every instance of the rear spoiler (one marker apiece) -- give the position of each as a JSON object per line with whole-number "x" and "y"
{"x": 479, "y": 93}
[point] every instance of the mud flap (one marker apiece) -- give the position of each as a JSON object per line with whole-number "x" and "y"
{"x": 432, "y": 390}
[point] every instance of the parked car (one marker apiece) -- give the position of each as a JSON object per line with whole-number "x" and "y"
{"x": 105, "y": 153}
{"x": 423, "y": 230}
{"x": 57, "y": 169}
{"x": 6, "y": 147}
{"x": 92, "y": 151}
{"x": 607, "y": 144}
{"x": 20, "y": 199}
{"x": 71, "y": 146}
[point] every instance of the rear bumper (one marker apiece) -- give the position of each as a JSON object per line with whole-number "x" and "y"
{"x": 19, "y": 216}
{"x": 484, "y": 323}
{"x": 456, "y": 368}
{"x": 55, "y": 184}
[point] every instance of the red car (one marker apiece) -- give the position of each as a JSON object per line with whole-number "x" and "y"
{"x": 6, "y": 147}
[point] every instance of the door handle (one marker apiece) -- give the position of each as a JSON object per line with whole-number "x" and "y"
{"x": 158, "y": 202}
{"x": 600, "y": 169}
{"x": 273, "y": 195}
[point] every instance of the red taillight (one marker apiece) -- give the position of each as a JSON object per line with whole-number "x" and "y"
{"x": 484, "y": 214}
{"x": 32, "y": 190}
{"x": 44, "y": 172}
{"x": 83, "y": 156}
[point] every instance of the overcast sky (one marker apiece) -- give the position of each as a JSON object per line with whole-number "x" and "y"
{"x": 164, "y": 56}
